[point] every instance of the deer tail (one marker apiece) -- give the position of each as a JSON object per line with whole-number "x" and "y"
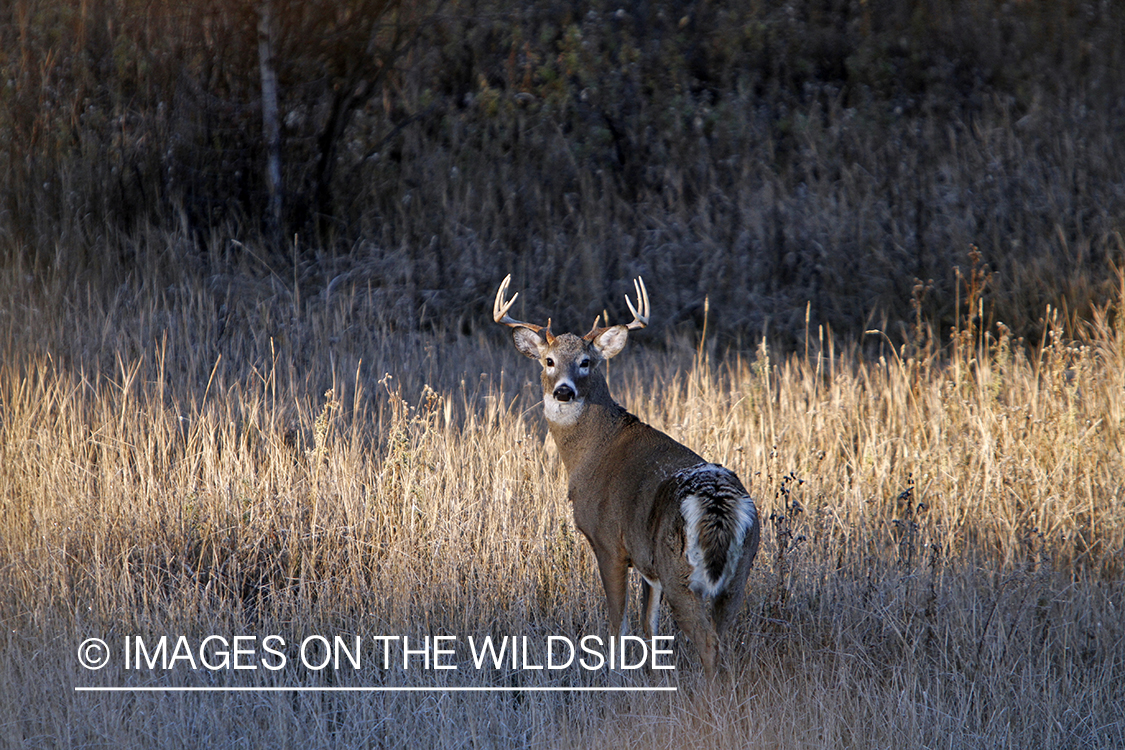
{"x": 719, "y": 515}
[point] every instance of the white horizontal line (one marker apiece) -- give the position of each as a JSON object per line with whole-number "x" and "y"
{"x": 388, "y": 689}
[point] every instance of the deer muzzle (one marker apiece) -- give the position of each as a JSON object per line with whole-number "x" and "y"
{"x": 563, "y": 392}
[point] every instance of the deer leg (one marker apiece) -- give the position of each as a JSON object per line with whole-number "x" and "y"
{"x": 691, "y": 616}
{"x": 650, "y": 605}
{"x": 615, "y": 581}
{"x": 726, "y": 606}
{"x": 723, "y": 611}
{"x": 729, "y": 602}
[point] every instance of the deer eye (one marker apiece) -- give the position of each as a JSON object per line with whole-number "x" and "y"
{"x": 585, "y": 363}
{"x": 550, "y": 362}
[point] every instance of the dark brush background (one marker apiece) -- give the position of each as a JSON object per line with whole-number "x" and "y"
{"x": 805, "y": 163}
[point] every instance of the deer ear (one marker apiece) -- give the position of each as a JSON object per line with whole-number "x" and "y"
{"x": 611, "y": 341}
{"x": 528, "y": 342}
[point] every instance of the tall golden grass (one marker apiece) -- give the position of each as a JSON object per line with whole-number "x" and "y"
{"x": 942, "y": 557}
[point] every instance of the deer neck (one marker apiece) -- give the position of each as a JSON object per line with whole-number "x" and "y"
{"x": 583, "y": 429}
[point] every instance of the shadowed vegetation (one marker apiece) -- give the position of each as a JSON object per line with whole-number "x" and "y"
{"x": 796, "y": 158}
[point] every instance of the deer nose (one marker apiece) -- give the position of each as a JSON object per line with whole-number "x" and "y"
{"x": 564, "y": 392}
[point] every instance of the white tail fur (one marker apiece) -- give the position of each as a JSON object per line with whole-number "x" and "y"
{"x": 713, "y": 503}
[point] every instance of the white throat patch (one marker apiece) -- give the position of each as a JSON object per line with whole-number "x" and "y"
{"x": 563, "y": 413}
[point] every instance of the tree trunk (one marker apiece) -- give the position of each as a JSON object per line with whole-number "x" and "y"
{"x": 271, "y": 125}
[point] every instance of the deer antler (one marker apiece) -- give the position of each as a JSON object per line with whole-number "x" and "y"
{"x": 500, "y": 311}
{"x": 640, "y": 319}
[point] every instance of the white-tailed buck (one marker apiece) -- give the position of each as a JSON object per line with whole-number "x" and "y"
{"x": 642, "y": 499}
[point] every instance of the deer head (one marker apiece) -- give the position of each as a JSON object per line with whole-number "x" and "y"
{"x": 570, "y": 374}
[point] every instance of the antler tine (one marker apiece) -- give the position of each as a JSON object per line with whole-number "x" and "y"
{"x": 500, "y": 310}
{"x": 499, "y": 306}
{"x": 640, "y": 319}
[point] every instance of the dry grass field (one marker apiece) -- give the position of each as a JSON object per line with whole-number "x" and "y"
{"x": 943, "y": 557}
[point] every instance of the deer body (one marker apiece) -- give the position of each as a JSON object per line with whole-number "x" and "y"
{"x": 640, "y": 498}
